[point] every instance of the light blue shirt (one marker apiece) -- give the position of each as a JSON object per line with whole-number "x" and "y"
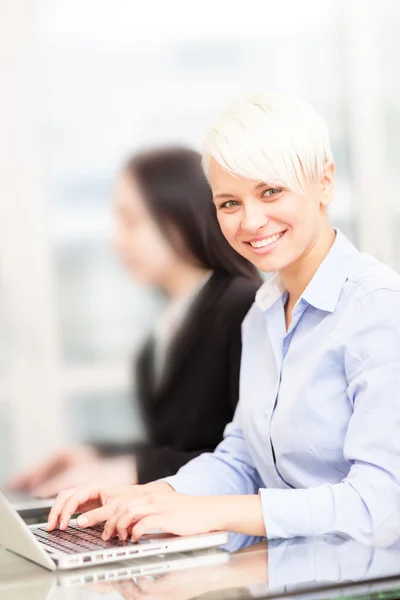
{"x": 317, "y": 427}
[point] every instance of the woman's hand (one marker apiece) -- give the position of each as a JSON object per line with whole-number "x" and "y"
{"x": 37, "y": 478}
{"x": 101, "y": 500}
{"x": 119, "y": 470}
{"x": 76, "y": 466}
{"x": 180, "y": 514}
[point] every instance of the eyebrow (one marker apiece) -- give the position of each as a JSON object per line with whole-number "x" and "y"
{"x": 227, "y": 195}
{"x": 224, "y": 196}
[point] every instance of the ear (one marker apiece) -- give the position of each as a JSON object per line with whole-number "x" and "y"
{"x": 327, "y": 182}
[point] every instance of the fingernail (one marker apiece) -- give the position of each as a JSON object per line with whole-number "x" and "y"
{"x": 104, "y": 537}
{"x": 82, "y": 521}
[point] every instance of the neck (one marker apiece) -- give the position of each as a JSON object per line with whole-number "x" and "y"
{"x": 181, "y": 279}
{"x": 297, "y": 276}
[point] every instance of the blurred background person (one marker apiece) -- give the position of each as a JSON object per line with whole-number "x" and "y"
{"x": 167, "y": 236}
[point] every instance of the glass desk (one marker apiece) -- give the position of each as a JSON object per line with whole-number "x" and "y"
{"x": 328, "y": 568}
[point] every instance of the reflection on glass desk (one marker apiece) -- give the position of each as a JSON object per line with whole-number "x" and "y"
{"x": 328, "y": 567}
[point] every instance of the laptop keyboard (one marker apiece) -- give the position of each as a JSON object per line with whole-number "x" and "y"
{"x": 74, "y": 540}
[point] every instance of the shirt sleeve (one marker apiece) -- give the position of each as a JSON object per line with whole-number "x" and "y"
{"x": 228, "y": 470}
{"x": 366, "y": 504}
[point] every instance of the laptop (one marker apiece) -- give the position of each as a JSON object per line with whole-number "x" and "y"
{"x": 75, "y": 547}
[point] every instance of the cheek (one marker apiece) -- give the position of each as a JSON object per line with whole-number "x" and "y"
{"x": 144, "y": 251}
{"x": 156, "y": 255}
{"x": 121, "y": 242}
{"x": 229, "y": 227}
{"x": 298, "y": 213}
{"x": 154, "y": 241}
{"x": 302, "y": 217}
{"x": 306, "y": 220}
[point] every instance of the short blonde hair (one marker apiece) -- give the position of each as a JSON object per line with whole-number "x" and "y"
{"x": 270, "y": 137}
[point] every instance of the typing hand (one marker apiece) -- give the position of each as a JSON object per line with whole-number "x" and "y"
{"x": 181, "y": 514}
{"x": 101, "y": 500}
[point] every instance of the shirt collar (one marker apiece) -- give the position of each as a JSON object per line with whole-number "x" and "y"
{"x": 269, "y": 292}
{"x": 325, "y": 287}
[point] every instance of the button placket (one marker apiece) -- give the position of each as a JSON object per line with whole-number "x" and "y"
{"x": 285, "y": 345}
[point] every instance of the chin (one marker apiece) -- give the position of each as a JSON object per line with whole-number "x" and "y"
{"x": 269, "y": 264}
{"x": 266, "y": 267}
{"x": 276, "y": 260}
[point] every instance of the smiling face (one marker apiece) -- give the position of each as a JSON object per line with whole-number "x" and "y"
{"x": 273, "y": 227}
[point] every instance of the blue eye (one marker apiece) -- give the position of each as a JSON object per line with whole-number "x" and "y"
{"x": 270, "y": 192}
{"x": 229, "y": 204}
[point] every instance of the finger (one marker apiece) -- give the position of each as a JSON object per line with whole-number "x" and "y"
{"x": 62, "y": 500}
{"x": 145, "y": 525}
{"x": 56, "y": 509}
{"x": 124, "y": 516}
{"x": 82, "y": 508}
{"x": 96, "y": 516}
{"x": 79, "y": 499}
{"x": 109, "y": 526}
{"x": 130, "y": 516}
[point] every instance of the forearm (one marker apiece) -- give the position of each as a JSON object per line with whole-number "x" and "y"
{"x": 240, "y": 514}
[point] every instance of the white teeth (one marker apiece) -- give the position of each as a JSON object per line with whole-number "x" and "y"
{"x": 267, "y": 241}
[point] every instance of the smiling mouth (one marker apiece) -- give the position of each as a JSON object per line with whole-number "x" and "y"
{"x": 266, "y": 241}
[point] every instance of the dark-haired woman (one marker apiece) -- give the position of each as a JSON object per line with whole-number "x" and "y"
{"x": 168, "y": 236}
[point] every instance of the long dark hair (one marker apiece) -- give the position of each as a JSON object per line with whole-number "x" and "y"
{"x": 179, "y": 198}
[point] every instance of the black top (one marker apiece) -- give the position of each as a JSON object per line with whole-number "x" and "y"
{"x": 186, "y": 413}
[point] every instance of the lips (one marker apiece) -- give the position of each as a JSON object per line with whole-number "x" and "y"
{"x": 266, "y": 241}
{"x": 265, "y": 244}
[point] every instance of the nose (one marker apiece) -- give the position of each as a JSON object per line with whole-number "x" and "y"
{"x": 254, "y": 217}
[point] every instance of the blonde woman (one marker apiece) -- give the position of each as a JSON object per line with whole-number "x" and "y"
{"x": 314, "y": 446}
